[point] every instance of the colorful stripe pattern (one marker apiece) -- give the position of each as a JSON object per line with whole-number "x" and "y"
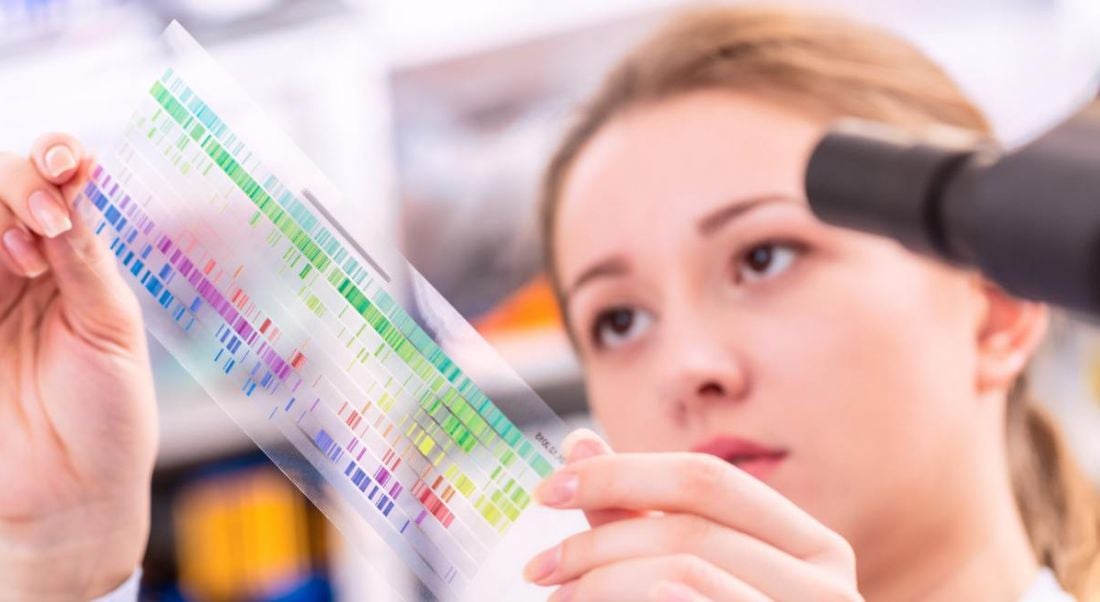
{"x": 280, "y": 304}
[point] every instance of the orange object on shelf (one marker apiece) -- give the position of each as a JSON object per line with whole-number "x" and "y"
{"x": 531, "y": 308}
{"x": 242, "y": 536}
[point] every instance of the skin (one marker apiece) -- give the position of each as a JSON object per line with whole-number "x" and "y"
{"x": 718, "y": 305}
{"x": 77, "y": 412}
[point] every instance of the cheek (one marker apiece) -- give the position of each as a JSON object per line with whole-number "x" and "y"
{"x": 888, "y": 332}
{"x": 865, "y": 371}
{"x": 625, "y": 405}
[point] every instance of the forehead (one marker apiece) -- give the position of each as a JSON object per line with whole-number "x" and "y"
{"x": 654, "y": 171}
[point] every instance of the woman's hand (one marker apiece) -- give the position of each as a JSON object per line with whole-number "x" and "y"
{"x": 684, "y": 527}
{"x": 77, "y": 413}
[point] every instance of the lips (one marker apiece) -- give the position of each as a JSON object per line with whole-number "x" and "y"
{"x": 754, "y": 458}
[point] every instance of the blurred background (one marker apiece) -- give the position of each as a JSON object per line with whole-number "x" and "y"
{"x": 436, "y": 118}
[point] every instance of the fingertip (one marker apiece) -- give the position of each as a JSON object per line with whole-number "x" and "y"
{"x": 57, "y": 157}
{"x": 51, "y": 213}
{"x": 60, "y": 162}
{"x": 583, "y": 443}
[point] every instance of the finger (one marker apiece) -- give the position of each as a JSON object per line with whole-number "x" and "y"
{"x": 33, "y": 200}
{"x": 670, "y": 591}
{"x": 769, "y": 570}
{"x": 57, "y": 157}
{"x": 98, "y": 303}
{"x": 638, "y": 579}
{"x": 20, "y": 255}
{"x": 582, "y": 444}
{"x": 20, "y": 259}
{"x": 697, "y": 484}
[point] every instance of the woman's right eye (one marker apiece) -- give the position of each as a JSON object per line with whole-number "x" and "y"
{"x": 618, "y": 326}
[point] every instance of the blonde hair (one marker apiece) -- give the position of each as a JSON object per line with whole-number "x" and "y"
{"x": 823, "y": 61}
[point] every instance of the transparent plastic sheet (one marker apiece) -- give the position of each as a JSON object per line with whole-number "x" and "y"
{"x": 375, "y": 383}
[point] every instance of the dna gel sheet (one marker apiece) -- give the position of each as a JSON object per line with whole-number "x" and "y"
{"x": 360, "y": 365}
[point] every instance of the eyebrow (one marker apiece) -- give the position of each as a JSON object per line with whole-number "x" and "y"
{"x": 618, "y": 266}
{"x": 735, "y": 209}
{"x": 615, "y": 266}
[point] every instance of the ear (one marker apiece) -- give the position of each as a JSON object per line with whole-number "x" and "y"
{"x": 1009, "y": 333}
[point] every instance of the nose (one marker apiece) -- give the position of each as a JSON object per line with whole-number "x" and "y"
{"x": 702, "y": 369}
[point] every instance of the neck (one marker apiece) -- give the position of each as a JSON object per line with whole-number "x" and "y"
{"x": 976, "y": 550}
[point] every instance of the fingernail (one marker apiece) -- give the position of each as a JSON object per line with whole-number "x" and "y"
{"x": 59, "y": 159}
{"x": 564, "y": 593}
{"x": 558, "y": 490}
{"x": 581, "y": 444}
{"x": 53, "y": 219}
{"x": 667, "y": 591}
{"x": 24, "y": 253}
{"x": 543, "y": 565}
{"x": 583, "y": 449}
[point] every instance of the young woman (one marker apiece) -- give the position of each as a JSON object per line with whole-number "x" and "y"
{"x": 842, "y": 391}
{"x": 797, "y": 412}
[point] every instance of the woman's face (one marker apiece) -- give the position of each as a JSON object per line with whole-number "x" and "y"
{"x": 714, "y": 313}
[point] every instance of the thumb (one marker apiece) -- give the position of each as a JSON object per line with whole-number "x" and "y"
{"x": 583, "y": 444}
{"x": 96, "y": 300}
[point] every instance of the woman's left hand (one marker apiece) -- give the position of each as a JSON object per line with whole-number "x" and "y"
{"x": 684, "y": 527}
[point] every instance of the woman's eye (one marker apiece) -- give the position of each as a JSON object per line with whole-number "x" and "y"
{"x": 617, "y": 326}
{"x": 765, "y": 261}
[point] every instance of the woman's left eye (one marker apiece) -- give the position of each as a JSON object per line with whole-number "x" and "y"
{"x": 765, "y": 261}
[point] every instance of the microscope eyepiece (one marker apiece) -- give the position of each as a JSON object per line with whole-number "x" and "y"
{"x": 1030, "y": 219}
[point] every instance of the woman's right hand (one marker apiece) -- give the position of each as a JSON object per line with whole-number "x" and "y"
{"x": 77, "y": 410}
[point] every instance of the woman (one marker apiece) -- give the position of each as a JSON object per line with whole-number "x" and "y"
{"x": 799, "y": 412}
{"x": 880, "y": 393}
